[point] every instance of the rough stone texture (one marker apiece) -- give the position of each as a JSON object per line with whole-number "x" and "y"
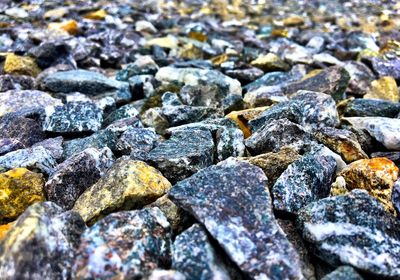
{"x": 73, "y": 117}
{"x": 195, "y": 257}
{"x": 144, "y": 65}
{"x": 20, "y": 65}
{"x": 241, "y": 118}
{"x": 53, "y": 145}
{"x": 25, "y": 101}
{"x": 48, "y": 238}
{"x": 343, "y": 272}
{"x": 20, "y": 82}
{"x": 231, "y": 200}
{"x": 278, "y": 111}
{"x": 185, "y": 153}
{"x": 19, "y": 189}
{"x": 361, "y": 77}
{"x": 371, "y": 108}
{"x": 384, "y": 130}
{"x": 124, "y": 112}
{"x": 304, "y": 181}
{"x": 376, "y": 175}
{"x": 386, "y": 67}
{"x": 124, "y": 245}
{"x": 137, "y": 142}
{"x": 183, "y": 114}
{"x": 341, "y": 141}
{"x": 86, "y": 82}
{"x": 353, "y": 229}
{"x": 277, "y": 134}
{"x": 264, "y": 96}
{"x": 72, "y": 177}
{"x": 396, "y": 196}
{"x": 160, "y": 274}
{"x": 35, "y": 159}
{"x": 4, "y": 229}
{"x": 384, "y": 88}
{"x": 128, "y": 184}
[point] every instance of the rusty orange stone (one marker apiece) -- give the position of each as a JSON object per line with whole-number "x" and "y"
{"x": 4, "y": 229}
{"x": 241, "y": 118}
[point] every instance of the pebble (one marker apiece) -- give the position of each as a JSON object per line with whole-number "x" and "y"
{"x": 20, "y": 65}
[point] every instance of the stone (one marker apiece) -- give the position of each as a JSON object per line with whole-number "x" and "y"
{"x": 76, "y": 174}
{"x": 277, "y": 111}
{"x": 361, "y": 77}
{"x": 48, "y": 54}
{"x": 231, "y": 200}
{"x": 19, "y": 189}
{"x": 68, "y": 26}
{"x": 343, "y": 272}
{"x": 245, "y": 75}
{"x": 143, "y": 65}
{"x": 4, "y": 229}
{"x": 383, "y": 130}
{"x": 371, "y": 108}
{"x": 160, "y": 274}
{"x": 376, "y": 175}
{"x": 87, "y": 82}
{"x": 194, "y": 256}
{"x": 264, "y": 96}
{"x": 53, "y": 145}
{"x": 73, "y": 117}
{"x": 145, "y": 26}
{"x": 16, "y": 82}
{"x": 168, "y": 42}
{"x": 396, "y": 196}
{"x": 384, "y": 88}
{"x": 241, "y": 118}
{"x": 277, "y": 134}
{"x": 48, "y": 237}
{"x": 21, "y": 65}
{"x": 9, "y": 145}
{"x": 25, "y": 101}
{"x": 35, "y": 159}
{"x": 128, "y": 184}
{"x": 96, "y": 15}
{"x": 342, "y": 142}
{"x": 386, "y": 67}
{"x": 182, "y": 114}
{"x": 124, "y": 245}
{"x": 183, "y": 154}
{"x": 270, "y": 62}
{"x": 304, "y": 181}
{"x": 353, "y": 229}
{"x": 137, "y": 142}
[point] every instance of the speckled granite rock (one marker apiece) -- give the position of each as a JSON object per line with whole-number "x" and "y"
{"x": 195, "y": 257}
{"x": 371, "y": 108}
{"x": 231, "y": 200}
{"x": 53, "y": 145}
{"x": 137, "y": 142}
{"x": 304, "y": 181}
{"x": 160, "y": 274}
{"x": 128, "y": 184}
{"x": 124, "y": 245}
{"x": 72, "y": 177}
{"x": 183, "y": 114}
{"x": 185, "y": 153}
{"x": 343, "y": 272}
{"x": 124, "y": 112}
{"x": 48, "y": 238}
{"x": 73, "y": 117}
{"x": 353, "y": 229}
{"x": 19, "y": 82}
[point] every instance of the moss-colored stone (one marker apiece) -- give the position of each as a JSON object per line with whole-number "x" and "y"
{"x": 19, "y": 188}
{"x": 96, "y": 15}
{"x": 241, "y": 118}
{"x": 4, "y": 229}
{"x": 376, "y": 175}
{"x": 128, "y": 184}
{"x": 168, "y": 42}
{"x": 293, "y": 20}
{"x": 69, "y": 26}
{"x": 21, "y": 65}
{"x": 384, "y": 88}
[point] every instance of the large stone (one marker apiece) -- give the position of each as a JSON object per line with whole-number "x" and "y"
{"x": 384, "y": 88}
{"x": 20, "y": 82}
{"x": 353, "y": 229}
{"x": 232, "y": 201}
{"x": 241, "y": 118}
{"x": 42, "y": 244}
{"x": 137, "y": 142}
{"x": 178, "y": 115}
{"x": 20, "y": 65}
{"x": 195, "y": 257}
{"x": 371, "y": 108}
{"x": 128, "y": 184}
{"x": 124, "y": 245}
{"x": 79, "y": 172}
{"x": 19, "y": 188}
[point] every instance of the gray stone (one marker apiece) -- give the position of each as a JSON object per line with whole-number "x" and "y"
{"x": 360, "y": 107}
{"x": 137, "y": 142}
{"x": 183, "y": 114}
{"x": 343, "y": 272}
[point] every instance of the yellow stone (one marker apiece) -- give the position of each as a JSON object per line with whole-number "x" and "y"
{"x": 19, "y": 188}
{"x": 294, "y": 20}
{"x": 55, "y": 13}
{"x": 69, "y": 26}
{"x": 376, "y": 175}
{"x": 270, "y": 62}
{"x": 168, "y": 42}
{"x": 218, "y": 60}
{"x": 197, "y": 36}
{"x": 128, "y": 184}
{"x": 97, "y": 15}
{"x": 21, "y": 65}
{"x": 190, "y": 51}
{"x": 242, "y": 118}
{"x": 4, "y": 229}
{"x": 384, "y": 88}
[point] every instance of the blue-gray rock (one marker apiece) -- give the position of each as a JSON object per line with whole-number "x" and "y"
{"x": 183, "y": 114}
{"x": 124, "y": 112}
{"x": 53, "y": 145}
{"x": 144, "y": 65}
{"x": 137, "y": 142}
{"x": 232, "y": 201}
{"x": 361, "y": 107}
{"x": 195, "y": 257}
{"x": 385, "y": 67}
{"x": 42, "y": 244}
{"x": 73, "y": 117}
{"x": 16, "y": 82}
{"x": 124, "y": 245}
{"x": 343, "y": 272}
{"x": 353, "y": 229}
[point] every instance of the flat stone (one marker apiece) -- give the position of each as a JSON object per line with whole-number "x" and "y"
{"x": 79, "y": 172}
{"x": 128, "y": 184}
{"x": 48, "y": 238}
{"x": 231, "y": 200}
{"x": 124, "y": 245}
{"x": 270, "y": 62}
{"x": 353, "y": 229}
{"x": 371, "y": 108}
{"x": 19, "y": 188}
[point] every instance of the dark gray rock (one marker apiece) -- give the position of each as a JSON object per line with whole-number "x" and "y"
{"x": 142, "y": 66}
{"x": 16, "y": 82}
{"x": 282, "y": 110}
{"x": 72, "y": 177}
{"x": 360, "y": 107}
{"x": 360, "y": 77}
{"x": 264, "y": 96}
{"x": 124, "y": 245}
{"x": 9, "y": 145}
{"x": 396, "y": 196}
{"x": 353, "y": 229}
{"x": 385, "y": 67}
{"x": 137, "y": 142}
{"x": 53, "y": 145}
{"x": 195, "y": 257}
{"x": 42, "y": 244}
{"x": 232, "y": 201}
{"x": 52, "y": 53}
{"x": 124, "y": 112}
{"x": 343, "y": 272}
{"x": 183, "y": 114}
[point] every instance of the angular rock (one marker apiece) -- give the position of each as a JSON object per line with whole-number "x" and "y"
{"x": 384, "y": 88}
{"x": 79, "y": 172}
{"x": 124, "y": 245}
{"x": 231, "y": 200}
{"x": 195, "y": 257}
{"x": 160, "y": 274}
{"x": 52, "y": 53}
{"x": 182, "y": 114}
{"x": 343, "y": 272}
{"x": 144, "y": 65}
{"x": 20, "y": 188}
{"x": 48, "y": 238}
{"x": 385, "y": 67}
{"x": 264, "y": 96}
{"x": 128, "y": 184}
{"x": 16, "y": 82}
{"x": 53, "y": 145}
{"x": 270, "y": 62}
{"x": 124, "y": 112}
{"x": 21, "y": 65}
{"x": 241, "y": 118}
{"x": 371, "y": 108}
{"x": 360, "y": 77}
{"x": 353, "y": 229}
{"x": 137, "y": 142}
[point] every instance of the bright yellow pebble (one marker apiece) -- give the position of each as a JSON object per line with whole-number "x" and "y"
{"x": 69, "y": 26}
{"x": 97, "y": 15}
{"x": 384, "y": 88}
{"x": 241, "y": 118}
{"x": 21, "y": 65}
